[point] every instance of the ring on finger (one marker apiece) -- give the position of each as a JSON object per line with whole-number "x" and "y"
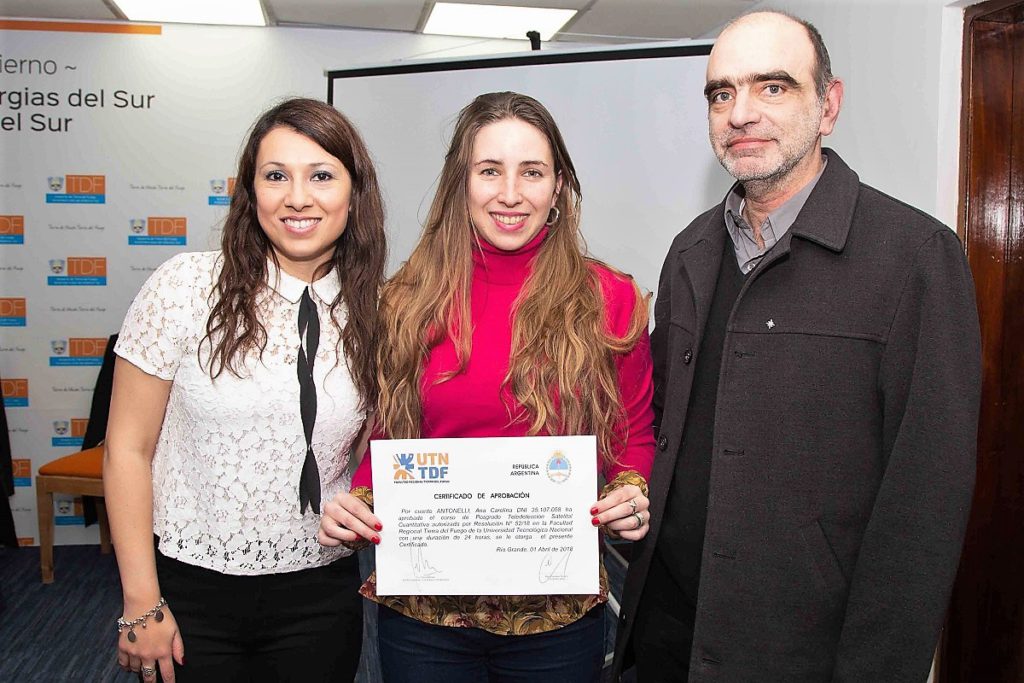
{"x": 632, "y": 505}
{"x": 148, "y": 671}
{"x": 639, "y": 520}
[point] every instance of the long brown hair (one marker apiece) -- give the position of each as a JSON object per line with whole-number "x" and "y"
{"x": 562, "y": 368}
{"x": 234, "y": 328}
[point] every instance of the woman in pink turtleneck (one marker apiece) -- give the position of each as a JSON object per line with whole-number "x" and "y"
{"x": 499, "y": 325}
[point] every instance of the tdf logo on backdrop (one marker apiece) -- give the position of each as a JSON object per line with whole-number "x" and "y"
{"x": 69, "y": 432}
{"x": 161, "y": 231}
{"x": 76, "y": 189}
{"x": 15, "y": 392}
{"x": 22, "y": 471}
{"x": 77, "y": 352}
{"x": 220, "y": 191}
{"x": 78, "y": 271}
{"x": 12, "y": 312}
{"x": 68, "y": 511}
{"x": 12, "y": 230}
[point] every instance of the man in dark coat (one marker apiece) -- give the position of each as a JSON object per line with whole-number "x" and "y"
{"x": 817, "y": 379}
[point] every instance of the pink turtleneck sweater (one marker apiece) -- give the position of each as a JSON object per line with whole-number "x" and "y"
{"x": 471, "y": 403}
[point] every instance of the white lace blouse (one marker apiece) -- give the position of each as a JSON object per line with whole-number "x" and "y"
{"x": 230, "y": 452}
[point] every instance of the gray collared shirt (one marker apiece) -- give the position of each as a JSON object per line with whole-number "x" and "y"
{"x": 778, "y": 222}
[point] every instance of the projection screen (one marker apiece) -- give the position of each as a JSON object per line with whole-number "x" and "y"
{"x": 634, "y": 120}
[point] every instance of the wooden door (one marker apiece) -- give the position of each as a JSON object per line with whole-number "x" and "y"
{"x": 984, "y": 636}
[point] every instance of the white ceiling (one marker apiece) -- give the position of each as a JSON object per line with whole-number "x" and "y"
{"x": 597, "y": 20}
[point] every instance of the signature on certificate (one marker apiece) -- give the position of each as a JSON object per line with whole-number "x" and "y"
{"x": 553, "y": 567}
{"x": 421, "y": 567}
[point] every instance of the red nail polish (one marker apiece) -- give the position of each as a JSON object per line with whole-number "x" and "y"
{"x": 593, "y": 510}
{"x": 595, "y": 521}
{"x": 378, "y": 526}
{"x": 376, "y": 539}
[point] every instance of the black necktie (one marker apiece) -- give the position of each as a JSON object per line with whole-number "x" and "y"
{"x": 309, "y": 332}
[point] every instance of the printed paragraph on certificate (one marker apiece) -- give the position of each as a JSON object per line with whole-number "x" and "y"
{"x": 498, "y": 516}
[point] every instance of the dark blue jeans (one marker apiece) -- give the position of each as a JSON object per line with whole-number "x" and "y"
{"x": 412, "y": 651}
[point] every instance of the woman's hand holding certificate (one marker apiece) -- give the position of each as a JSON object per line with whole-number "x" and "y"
{"x": 347, "y": 519}
{"x": 623, "y": 513}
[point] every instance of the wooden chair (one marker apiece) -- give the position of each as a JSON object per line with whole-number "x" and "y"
{"x": 78, "y": 474}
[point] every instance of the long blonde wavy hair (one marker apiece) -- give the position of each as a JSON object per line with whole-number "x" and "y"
{"x": 562, "y": 370}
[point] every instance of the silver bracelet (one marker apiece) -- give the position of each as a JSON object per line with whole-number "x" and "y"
{"x": 156, "y": 613}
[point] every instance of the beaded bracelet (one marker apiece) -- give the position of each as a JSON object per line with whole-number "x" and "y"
{"x": 156, "y": 613}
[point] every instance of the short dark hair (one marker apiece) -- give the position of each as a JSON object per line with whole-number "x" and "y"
{"x": 822, "y": 64}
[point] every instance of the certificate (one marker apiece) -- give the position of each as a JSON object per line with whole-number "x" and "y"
{"x": 496, "y": 516}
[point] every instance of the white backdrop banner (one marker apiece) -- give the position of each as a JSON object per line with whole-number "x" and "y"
{"x": 117, "y": 149}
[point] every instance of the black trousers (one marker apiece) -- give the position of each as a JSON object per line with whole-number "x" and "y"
{"x": 295, "y": 626}
{"x": 662, "y": 630}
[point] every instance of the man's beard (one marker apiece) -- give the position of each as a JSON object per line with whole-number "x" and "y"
{"x": 769, "y": 173}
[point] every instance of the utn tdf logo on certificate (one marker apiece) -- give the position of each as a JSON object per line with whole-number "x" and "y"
{"x": 420, "y": 467}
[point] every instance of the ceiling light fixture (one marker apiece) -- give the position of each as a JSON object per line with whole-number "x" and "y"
{"x": 495, "y": 21}
{"x": 227, "y": 12}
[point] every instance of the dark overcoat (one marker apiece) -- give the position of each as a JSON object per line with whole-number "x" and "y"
{"x": 844, "y": 440}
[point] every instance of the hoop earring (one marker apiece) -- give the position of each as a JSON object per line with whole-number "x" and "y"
{"x": 558, "y": 214}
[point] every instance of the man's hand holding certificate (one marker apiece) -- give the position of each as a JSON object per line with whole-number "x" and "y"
{"x": 498, "y": 516}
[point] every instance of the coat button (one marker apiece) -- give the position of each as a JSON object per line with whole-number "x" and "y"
{"x": 662, "y": 442}
{"x": 687, "y": 356}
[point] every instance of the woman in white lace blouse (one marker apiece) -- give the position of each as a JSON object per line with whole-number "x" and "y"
{"x": 242, "y": 385}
